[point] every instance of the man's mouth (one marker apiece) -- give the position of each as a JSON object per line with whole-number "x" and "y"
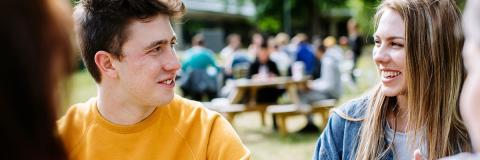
{"x": 167, "y": 82}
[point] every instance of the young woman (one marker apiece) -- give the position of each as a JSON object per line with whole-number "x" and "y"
{"x": 471, "y": 56}
{"x": 36, "y": 56}
{"x": 418, "y": 55}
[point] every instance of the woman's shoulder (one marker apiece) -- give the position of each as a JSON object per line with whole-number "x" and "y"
{"x": 353, "y": 110}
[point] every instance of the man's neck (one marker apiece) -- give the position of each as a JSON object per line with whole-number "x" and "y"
{"x": 119, "y": 110}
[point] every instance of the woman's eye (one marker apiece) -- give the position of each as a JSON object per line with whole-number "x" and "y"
{"x": 397, "y": 44}
{"x": 377, "y": 43}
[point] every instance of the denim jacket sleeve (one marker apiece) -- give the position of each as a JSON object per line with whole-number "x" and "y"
{"x": 339, "y": 138}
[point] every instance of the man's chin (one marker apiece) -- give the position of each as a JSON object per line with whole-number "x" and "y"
{"x": 165, "y": 99}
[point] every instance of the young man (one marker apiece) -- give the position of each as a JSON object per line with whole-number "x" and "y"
{"x": 127, "y": 47}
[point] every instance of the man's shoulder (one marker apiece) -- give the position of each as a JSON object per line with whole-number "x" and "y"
{"x": 79, "y": 111}
{"x": 75, "y": 122}
{"x": 189, "y": 111}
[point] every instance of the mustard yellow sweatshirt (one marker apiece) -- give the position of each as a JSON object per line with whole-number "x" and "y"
{"x": 182, "y": 129}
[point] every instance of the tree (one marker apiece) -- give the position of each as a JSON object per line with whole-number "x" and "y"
{"x": 279, "y": 15}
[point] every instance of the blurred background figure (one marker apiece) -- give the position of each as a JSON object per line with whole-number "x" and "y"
{"x": 333, "y": 49}
{"x": 234, "y": 43}
{"x": 281, "y": 58}
{"x": 328, "y": 84}
{"x": 305, "y": 53}
{"x": 344, "y": 64}
{"x": 199, "y": 72}
{"x": 261, "y": 70}
{"x": 255, "y": 45}
{"x": 236, "y": 61}
{"x": 282, "y": 39}
{"x": 36, "y": 49}
{"x": 263, "y": 67}
{"x": 356, "y": 42}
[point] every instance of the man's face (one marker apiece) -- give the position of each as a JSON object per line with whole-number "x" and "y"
{"x": 263, "y": 55}
{"x": 148, "y": 67}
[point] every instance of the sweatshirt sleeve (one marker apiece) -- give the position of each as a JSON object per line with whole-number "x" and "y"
{"x": 224, "y": 142}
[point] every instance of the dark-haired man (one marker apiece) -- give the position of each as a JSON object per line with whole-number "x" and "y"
{"x": 127, "y": 46}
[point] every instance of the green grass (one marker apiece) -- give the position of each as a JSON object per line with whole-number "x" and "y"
{"x": 263, "y": 143}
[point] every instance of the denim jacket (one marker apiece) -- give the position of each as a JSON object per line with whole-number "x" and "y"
{"x": 340, "y": 137}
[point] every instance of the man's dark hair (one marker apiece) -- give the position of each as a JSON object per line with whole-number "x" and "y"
{"x": 101, "y": 24}
{"x": 264, "y": 44}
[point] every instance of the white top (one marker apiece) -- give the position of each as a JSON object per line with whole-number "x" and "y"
{"x": 401, "y": 148}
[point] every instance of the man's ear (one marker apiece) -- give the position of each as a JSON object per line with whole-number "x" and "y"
{"x": 104, "y": 61}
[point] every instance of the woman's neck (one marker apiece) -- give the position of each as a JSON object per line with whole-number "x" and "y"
{"x": 397, "y": 118}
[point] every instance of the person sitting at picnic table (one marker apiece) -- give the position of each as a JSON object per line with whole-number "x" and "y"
{"x": 262, "y": 69}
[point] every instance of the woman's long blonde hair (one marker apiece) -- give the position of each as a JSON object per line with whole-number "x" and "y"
{"x": 434, "y": 75}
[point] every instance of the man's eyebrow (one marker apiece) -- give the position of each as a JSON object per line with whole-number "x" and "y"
{"x": 160, "y": 42}
{"x": 156, "y": 43}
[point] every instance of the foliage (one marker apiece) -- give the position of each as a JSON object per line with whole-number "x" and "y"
{"x": 363, "y": 13}
{"x": 302, "y": 12}
{"x": 269, "y": 24}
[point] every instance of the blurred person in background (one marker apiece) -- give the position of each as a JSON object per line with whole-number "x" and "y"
{"x": 282, "y": 40}
{"x": 328, "y": 84}
{"x": 255, "y": 45}
{"x": 333, "y": 50}
{"x": 292, "y": 47}
{"x": 199, "y": 71}
{"x": 305, "y": 53}
{"x": 232, "y": 56}
{"x": 281, "y": 58}
{"x": 234, "y": 44}
{"x": 263, "y": 67}
{"x": 418, "y": 47}
{"x": 356, "y": 42}
{"x": 128, "y": 48}
{"x": 37, "y": 57}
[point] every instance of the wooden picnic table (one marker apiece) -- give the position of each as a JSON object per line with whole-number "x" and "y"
{"x": 251, "y": 86}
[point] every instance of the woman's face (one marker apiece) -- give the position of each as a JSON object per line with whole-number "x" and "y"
{"x": 471, "y": 87}
{"x": 389, "y": 53}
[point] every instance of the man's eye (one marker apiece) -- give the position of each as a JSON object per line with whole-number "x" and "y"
{"x": 156, "y": 49}
{"x": 173, "y": 44}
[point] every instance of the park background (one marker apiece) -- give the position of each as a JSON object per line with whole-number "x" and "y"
{"x": 216, "y": 19}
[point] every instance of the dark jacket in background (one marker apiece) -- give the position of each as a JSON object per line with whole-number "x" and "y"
{"x": 255, "y": 67}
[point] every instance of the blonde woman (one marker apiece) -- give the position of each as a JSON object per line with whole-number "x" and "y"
{"x": 417, "y": 52}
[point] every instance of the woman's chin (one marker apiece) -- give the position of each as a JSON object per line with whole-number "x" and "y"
{"x": 392, "y": 92}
